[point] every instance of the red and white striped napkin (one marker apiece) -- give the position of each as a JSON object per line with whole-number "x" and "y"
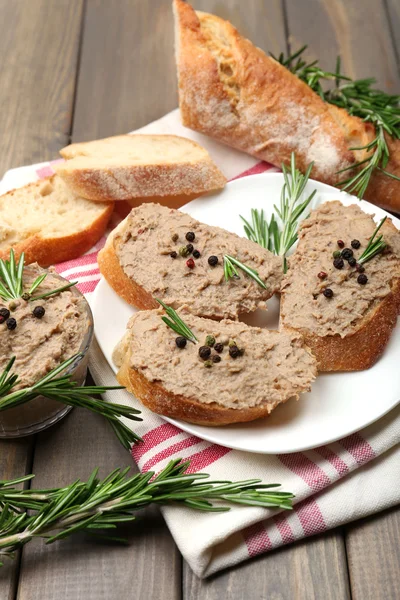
{"x": 333, "y": 484}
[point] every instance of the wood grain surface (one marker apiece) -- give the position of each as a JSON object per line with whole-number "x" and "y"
{"x": 83, "y": 69}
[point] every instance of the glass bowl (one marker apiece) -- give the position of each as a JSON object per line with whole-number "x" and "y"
{"x": 41, "y": 412}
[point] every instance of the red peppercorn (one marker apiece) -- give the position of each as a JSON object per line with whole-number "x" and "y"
{"x": 190, "y": 263}
{"x": 322, "y": 275}
{"x": 340, "y": 243}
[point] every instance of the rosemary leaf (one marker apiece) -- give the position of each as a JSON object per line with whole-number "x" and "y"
{"x": 230, "y": 264}
{"x": 176, "y": 323}
{"x": 102, "y": 504}
{"x": 53, "y": 292}
{"x": 375, "y": 245}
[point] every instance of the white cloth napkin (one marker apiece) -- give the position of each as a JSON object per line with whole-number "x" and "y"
{"x": 333, "y": 484}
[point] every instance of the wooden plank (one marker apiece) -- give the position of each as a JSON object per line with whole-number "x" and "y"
{"x": 37, "y": 76}
{"x": 39, "y": 43}
{"x": 309, "y": 570}
{"x": 357, "y": 30}
{"x": 374, "y": 556}
{"x": 14, "y": 462}
{"x": 80, "y": 568}
{"x": 393, "y": 10}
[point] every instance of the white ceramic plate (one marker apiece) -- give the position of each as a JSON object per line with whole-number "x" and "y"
{"x": 338, "y": 404}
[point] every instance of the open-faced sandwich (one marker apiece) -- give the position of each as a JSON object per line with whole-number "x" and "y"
{"x": 163, "y": 253}
{"x": 342, "y": 290}
{"x": 222, "y": 372}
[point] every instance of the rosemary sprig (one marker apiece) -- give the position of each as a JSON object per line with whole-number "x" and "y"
{"x": 176, "y": 323}
{"x": 276, "y": 236}
{"x": 374, "y": 246}
{"x": 97, "y": 504}
{"x": 11, "y": 281}
{"x": 230, "y": 271}
{"x": 360, "y": 99}
{"x": 63, "y": 389}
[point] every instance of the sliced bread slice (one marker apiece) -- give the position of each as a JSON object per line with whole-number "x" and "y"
{"x": 349, "y": 327}
{"x": 142, "y": 261}
{"x": 266, "y": 369}
{"x": 49, "y": 222}
{"x": 129, "y": 167}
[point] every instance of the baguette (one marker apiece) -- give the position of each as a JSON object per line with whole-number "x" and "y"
{"x": 140, "y": 167}
{"x": 47, "y": 222}
{"x": 176, "y": 382}
{"x": 138, "y": 264}
{"x": 234, "y": 92}
{"x": 349, "y": 331}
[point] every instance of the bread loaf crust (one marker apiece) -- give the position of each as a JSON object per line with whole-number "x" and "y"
{"x": 234, "y": 92}
{"x": 145, "y": 181}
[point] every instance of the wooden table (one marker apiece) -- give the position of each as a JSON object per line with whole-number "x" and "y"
{"x": 75, "y": 70}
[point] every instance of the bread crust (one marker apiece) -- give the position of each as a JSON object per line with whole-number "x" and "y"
{"x": 50, "y": 251}
{"x": 162, "y": 402}
{"x": 234, "y": 92}
{"x": 111, "y": 269}
{"x": 130, "y": 182}
{"x": 361, "y": 349}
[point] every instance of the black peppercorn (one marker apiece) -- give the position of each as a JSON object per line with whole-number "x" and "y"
{"x": 362, "y": 279}
{"x": 360, "y": 268}
{"x": 347, "y": 253}
{"x": 355, "y": 244}
{"x": 181, "y": 342}
{"x": 174, "y": 254}
{"x": 190, "y": 236}
{"x": 328, "y": 293}
{"x": 38, "y": 312}
{"x": 175, "y": 237}
{"x": 4, "y": 314}
{"x": 338, "y": 263}
{"x": 352, "y": 261}
{"x": 340, "y": 243}
{"x": 216, "y": 358}
{"x": 219, "y": 348}
{"x": 196, "y": 254}
{"x": 189, "y": 248}
{"x": 234, "y": 352}
{"x": 336, "y": 254}
{"x": 204, "y": 352}
{"x": 11, "y": 324}
{"x": 213, "y": 261}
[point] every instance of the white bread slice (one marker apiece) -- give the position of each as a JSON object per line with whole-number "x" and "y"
{"x": 132, "y": 167}
{"x": 175, "y": 382}
{"x": 350, "y": 330}
{"x": 136, "y": 261}
{"x": 49, "y": 222}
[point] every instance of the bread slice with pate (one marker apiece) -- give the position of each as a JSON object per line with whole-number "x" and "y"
{"x": 345, "y": 314}
{"x": 243, "y": 374}
{"x": 140, "y": 168}
{"x": 49, "y": 223}
{"x": 163, "y": 253}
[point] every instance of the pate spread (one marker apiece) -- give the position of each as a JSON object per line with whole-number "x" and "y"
{"x": 304, "y": 306}
{"x": 40, "y": 344}
{"x": 271, "y": 368}
{"x": 152, "y": 232}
